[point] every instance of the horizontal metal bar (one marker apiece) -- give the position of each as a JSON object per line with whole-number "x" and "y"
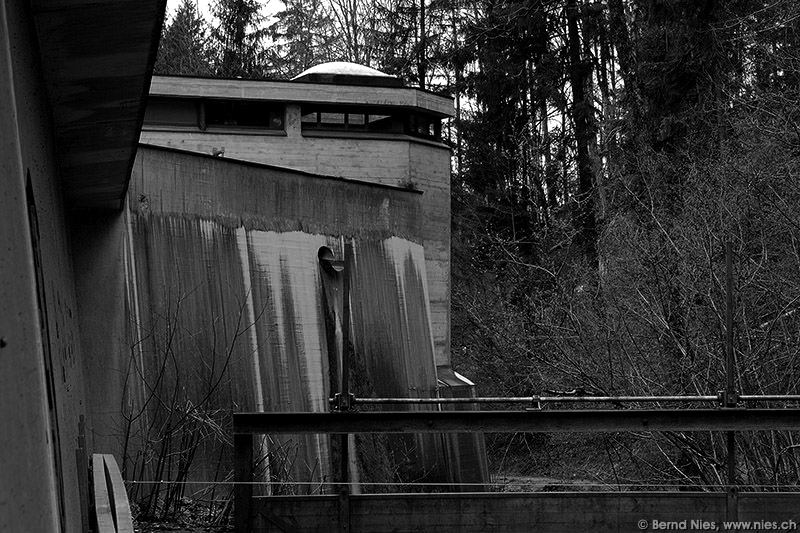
{"x": 571, "y": 399}
{"x": 578, "y": 420}
{"x": 536, "y": 399}
{"x": 769, "y": 397}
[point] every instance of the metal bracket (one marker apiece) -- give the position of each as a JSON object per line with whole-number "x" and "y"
{"x": 727, "y": 399}
{"x": 343, "y": 402}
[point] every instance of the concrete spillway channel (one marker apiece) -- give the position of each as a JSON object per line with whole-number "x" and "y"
{"x": 235, "y": 313}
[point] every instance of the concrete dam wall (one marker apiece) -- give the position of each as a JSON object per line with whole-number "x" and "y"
{"x": 229, "y": 310}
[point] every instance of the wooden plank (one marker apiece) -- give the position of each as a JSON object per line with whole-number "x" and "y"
{"x": 119, "y": 497}
{"x": 506, "y": 512}
{"x": 104, "y": 517}
{"x": 264, "y": 514}
{"x": 527, "y": 421}
{"x": 773, "y": 507}
{"x": 541, "y": 512}
{"x": 318, "y": 513}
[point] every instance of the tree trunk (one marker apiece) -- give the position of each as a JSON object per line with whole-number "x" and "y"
{"x": 620, "y": 36}
{"x": 580, "y": 72}
{"x": 421, "y": 54}
{"x": 549, "y": 174}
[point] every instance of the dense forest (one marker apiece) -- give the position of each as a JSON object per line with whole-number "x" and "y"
{"x": 603, "y": 154}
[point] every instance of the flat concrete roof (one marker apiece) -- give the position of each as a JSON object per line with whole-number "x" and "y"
{"x": 302, "y": 92}
{"x": 97, "y": 60}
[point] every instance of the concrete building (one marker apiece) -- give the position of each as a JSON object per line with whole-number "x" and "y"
{"x": 74, "y": 76}
{"x": 335, "y": 123}
{"x": 336, "y": 119}
{"x": 83, "y": 264}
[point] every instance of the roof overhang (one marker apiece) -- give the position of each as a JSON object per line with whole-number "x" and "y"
{"x": 301, "y": 92}
{"x": 97, "y": 60}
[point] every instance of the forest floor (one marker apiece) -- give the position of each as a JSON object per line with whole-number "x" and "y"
{"x": 179, "y": 527}
{"x": 572, "y": 462}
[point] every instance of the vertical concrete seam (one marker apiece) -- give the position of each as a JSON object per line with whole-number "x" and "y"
{"x": 131, "y": 280}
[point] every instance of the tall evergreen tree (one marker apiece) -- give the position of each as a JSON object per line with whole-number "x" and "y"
{"x": 184, "y": 47}
{"x": 395, "y": 38}
{"x": 239, "y": 37}
{"x": 303, "y": 36}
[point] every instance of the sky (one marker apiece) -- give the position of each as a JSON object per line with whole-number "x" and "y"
{"x": 203, "y": 5}
{"x": 268, "y": 8}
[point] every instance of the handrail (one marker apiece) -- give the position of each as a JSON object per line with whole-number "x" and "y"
{"x": 569, "y": 399}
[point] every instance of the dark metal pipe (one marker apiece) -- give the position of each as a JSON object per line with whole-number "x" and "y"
{"x": 573, "y": 399}
{"x": 344, "y": 452}
{"x": 770, "y": 397}
{"x": 346, "y": 279}
{"x": 536, "y": 399}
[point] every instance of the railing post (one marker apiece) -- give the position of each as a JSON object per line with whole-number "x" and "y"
{"x": 243, "y": 477}
{"x": 732, "y": 504}
{"x": 731, "y": 394}
{"x": 344, "y": 510}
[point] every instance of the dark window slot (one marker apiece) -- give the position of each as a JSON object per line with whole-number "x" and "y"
{"x": 182, "y": 112}
{"x": 334, "y": 118}
{"x": 244, "y": 114}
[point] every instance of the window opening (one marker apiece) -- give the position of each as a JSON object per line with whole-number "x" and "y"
{"x": 182, "y": 112}
{"x": 379, "y": 122}
{"x": 383, "y": 120}
{"x": 332, "y": 120}
{"x": 244, "y": 114}
{"x": 356, "y": 120}
{"x": 422, "y": 125}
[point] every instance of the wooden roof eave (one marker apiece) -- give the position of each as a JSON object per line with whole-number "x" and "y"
{"x": 97, "y": 61}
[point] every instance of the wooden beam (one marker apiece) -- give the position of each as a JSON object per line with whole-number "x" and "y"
{"x": 122, "y": 509}
{"x": 104, "y": 517}
{"x": 112, "y": 510}
{"x": 526, "y": 421}
{"x": 599, "y": 512}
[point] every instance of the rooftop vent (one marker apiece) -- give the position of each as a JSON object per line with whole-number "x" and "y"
{"x": 343, "y": 73}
